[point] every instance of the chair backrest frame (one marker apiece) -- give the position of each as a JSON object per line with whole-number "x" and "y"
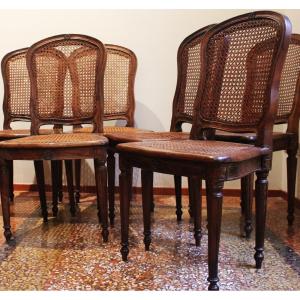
{"x": 128, "y": 114}
{"x": 292, "y": 116}
{"x": 9, "y": 115}
{"x": 205, "y": 128}
{"x": 96, "y": 116}
{"x": 178, "y": 116}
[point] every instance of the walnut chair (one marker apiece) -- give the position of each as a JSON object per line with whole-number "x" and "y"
{"x": 241, "y": 63}
{"x": 119, "y": 104}
{"x": 288, "y": 113}
{"x": 66, "y": 88}
{"x": 188, "y": 63}
{"x": 16, "y": 107}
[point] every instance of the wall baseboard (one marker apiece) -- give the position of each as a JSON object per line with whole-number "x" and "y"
{"x": 157, "y": 191}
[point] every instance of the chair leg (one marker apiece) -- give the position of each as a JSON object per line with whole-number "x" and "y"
{"x": 111, "y": 166}
{"x": 152, "y": 205}
{"x": 214, "y": 198}
{"x": 191, "y": 205}
{"x": 196, "y": 200}
{"x": 177, "y": 181}
{"x": 55, "y": 175}
{"x": 247, "y": 199}
{"x": 11, "y": 180}
{"x": 125, "y": 197}
{"x": 4, "y": 182}
{"x": 261, "y": 194}
{"x": 147, "y": 187}
{"x": 291, "y": 179}
{"x": 40, "y": 179}
{"x": 69, "y": 173}
{"x": 77, "y": 179}
{"x": 59, "y": 181}
{"x": 101, "y": 186}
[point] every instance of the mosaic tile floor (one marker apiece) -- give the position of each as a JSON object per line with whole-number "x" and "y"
{"x": 68, "y": 254}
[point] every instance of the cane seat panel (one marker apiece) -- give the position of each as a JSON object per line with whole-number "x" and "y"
{"x": 112, "y": 129}
{"x": 146, "y": 136}
{"x": 64, "y": 140}
{"x": 246, "y": 138}
{"x": 195, "y": 150}
{"x": 19, "y": 133}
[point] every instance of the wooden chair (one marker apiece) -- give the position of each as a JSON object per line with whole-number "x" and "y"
{"x": 66, "y": 88}
{"x": 241, "y": 63}
{"x": 16, "y": 100}
{"x": 119, "y": 104}
{"x": 288, "y": 113}
{"x": 188, "y": 62}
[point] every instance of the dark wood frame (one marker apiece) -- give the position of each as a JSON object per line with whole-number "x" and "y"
{"x": 288, "y": 141}
{"x": 57, "y": 153}
{"x": 9, "y": 118}
{"x": 215, "y": 170}
{"x": 128, "y": 116}
{"x": 178, "y": 118}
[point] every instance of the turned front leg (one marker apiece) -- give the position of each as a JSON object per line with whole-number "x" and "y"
{"x": 59, "y": 181}
{"x": 55, "y": 177}
{"x": 4, "y": 181}
{"x": 77, "y": 179}
{"x": 40, "y": 179}
{"x": 291, "y": 182}
{"x": 11, "y": 180}
{"x": 247, "y": 199}
{"x": 214, "y": 198}
{"x": 177, "y": 182}
{"x": 69, "y": 174}
{"x": 111, "y": 166}
{"x": 195, "y": 183}
{"x": 147, "y": 188}
{"x": 101, "y": 186}
{"x": 125, "y": 181}
{"x": 261, "y": 194}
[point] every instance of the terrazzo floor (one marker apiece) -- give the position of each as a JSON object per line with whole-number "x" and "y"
{"x": 68, "y": 253}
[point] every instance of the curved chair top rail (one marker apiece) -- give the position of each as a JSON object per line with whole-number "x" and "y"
{"x": 16, "y": 87}
{"x": 119, "y": 77}
{"x": 66, "y": 74}
{"x": 242, "y": 59}
{"x": 188, "y": 76}
{"x": 289, "y": 88}
{"x": 119, "y": 102}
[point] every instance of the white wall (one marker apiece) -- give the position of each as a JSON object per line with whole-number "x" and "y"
{"x": 154, "y": 35}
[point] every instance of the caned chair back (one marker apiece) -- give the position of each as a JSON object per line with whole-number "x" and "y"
{"x": 16, "y": 87}
{"x": 66, "y": 74}
{"x": 289, "y": 88}
{"x": 242, "y": 60}
{"x": 189, "y": 70}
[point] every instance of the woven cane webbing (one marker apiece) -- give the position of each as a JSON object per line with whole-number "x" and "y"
{"x": 239, "y": 60}
{"x": 188, "y": 77}
{"x": 113, "y": 129}
{"x": 119, "y": 81}
{"x": 146, "y": 136}
{"x": 57, "y": 141}
{"x": 64, "y": 73}
{"x": 16, "y": 86}
{"x": 191, "y": 70}
{"x": 290, "y": 77}
{"x": 193, "y": 150}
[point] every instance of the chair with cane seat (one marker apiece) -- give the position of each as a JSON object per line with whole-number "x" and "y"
{"x": 16, "y": 107}
{"x": 66, "y": 88}
{"x": 241, "y": 63}
{"x": 288, "y": 113}
{"x": 188, "y": 63}
{"x": 119, "y": 104}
